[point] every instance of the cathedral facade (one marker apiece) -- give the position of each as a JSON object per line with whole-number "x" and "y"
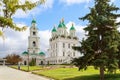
{"x": 60, "y": 45}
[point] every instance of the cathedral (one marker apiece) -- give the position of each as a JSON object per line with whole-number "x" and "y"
{"x": 60, "y": 46}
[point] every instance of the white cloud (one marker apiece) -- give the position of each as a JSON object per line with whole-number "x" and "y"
{"x": 118, "y": 19}
{"x": 14, "y": 41}
{"x": 37, "y": 10}
{"x": 112, "y": 0}
{"x": 70, "y": 2}
{"x": 44, "y": 39}
{"x": 17, "y": 42}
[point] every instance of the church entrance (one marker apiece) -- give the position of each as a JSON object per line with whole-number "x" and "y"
{"x": 25, "y": 63}
{"x": 41, "y": 62}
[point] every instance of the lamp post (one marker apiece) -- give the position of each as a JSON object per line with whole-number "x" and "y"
{"x": 28, "y": 61}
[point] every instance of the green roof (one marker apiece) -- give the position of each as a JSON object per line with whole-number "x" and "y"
{"x": 54, "y": 30}
{"x": 25, "y": 52}
{"x": 41, "y": 53}
{"x": 61, "y": 24}
{"x": 72, "y": 27}
{"x": 33, "y": 21}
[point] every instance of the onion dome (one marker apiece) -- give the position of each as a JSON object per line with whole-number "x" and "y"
{"x": 42, "y": 53}
{"x": 33, "y": 21}
{"x": 61, "y": 24}
{"x": 25, "y": 53}
{"x": 54, "y": 30}
{"x": 72, "y": 27}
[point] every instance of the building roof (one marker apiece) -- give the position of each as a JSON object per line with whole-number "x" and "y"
{"x": 54, "y": 30}
{"x": 72, "y": 27}
{"x": 41, "y": 53}
{"x": 25, "y": 52}
{"x": 33, "y": 21}
{"x": 61, "y": 24}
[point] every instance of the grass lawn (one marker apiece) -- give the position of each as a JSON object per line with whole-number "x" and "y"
{"x": 74, "y": 74}
{"x": 25, "y": 68}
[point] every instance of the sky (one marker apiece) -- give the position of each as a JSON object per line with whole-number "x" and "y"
{"x": 46, "y": 16}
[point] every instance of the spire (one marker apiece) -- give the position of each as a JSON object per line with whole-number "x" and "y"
{"x": 54, "y": 29}
{"x": 72, "y": 27}
{"x": 62, "y": 20}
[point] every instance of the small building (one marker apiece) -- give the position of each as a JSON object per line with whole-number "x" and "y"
{"x": 2, "y": 61}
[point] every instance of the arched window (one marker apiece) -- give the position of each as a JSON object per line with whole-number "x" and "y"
{"x": 33, "y": 51}
{"x": 63, "y": 53}
{"x": 68, "y": 45}
{"x": 73, "y": 53}
{"x": 34, "y": 33}
{"x": 34, "y": 43}
{"x": 63, "y": 45}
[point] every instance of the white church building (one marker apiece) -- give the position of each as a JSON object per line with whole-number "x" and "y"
{"x": 33, "y": 47}
{"x": 60, "y": 45}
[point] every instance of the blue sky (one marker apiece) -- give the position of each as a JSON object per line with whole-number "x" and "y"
{"x": 47, "y": 16}
{"x": 53, "y": 10}
{"x": 53, "y": 14}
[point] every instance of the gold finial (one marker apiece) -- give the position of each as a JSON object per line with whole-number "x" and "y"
{"x": 72, "y": 24}
{"x": 62, "y": 20}
{"x": 54, "y": 25}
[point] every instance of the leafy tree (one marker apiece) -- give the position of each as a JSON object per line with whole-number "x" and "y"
{"x": 8, "y": 9}
{"x": 100, "y": 49}
{"x": 13, "y": 59}
{"x": 32, "y": 62}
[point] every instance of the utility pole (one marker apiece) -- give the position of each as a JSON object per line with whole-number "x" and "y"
{"x": 28, "y": 61}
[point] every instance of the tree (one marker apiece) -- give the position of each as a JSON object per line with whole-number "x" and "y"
{"x": 13, "y": 59}
{"x": 8, "y": 9}
{"x": 100, "y": 49}
{"x": 32, "y": 62}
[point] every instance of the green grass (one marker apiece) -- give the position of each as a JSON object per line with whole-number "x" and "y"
{"x": 25, "y": 68}
{"x": 74, "y": 74}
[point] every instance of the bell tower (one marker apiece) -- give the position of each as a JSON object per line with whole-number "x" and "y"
{"x": 33, "y": 39}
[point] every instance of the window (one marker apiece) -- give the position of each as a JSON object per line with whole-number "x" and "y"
{"x": 73, "y": 53}
{"x": 56, "y": 45}
{"x": 68, "y": 45}
{"x": 34, "y": 43}
{"x": 34, "y": 33}
{"x": 33, "y": 51}
{"x": 63, "y": 53}
{"x": 63, "y": 45}
{"x": 34, "y": 28}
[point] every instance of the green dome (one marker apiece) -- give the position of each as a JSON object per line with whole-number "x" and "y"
{"x": 72, "y": 27}
{"x": 25, "y": 53}
{"x": 33, "y": 21}
{"x": 61, "y": 24}
{"x": 54, "y": 30}
{"x": 41, "y": 53}
{"x": 64, "y": 25}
